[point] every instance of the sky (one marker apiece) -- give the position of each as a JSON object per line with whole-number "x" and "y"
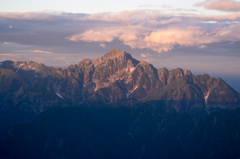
{"x": 200, "y": 35}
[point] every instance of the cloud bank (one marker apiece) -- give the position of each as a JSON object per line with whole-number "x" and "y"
{"x": 140, "y": 29}
{"x": 158, "y": 32}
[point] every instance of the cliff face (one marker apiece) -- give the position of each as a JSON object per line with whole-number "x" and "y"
{"x": 113, "y": 77}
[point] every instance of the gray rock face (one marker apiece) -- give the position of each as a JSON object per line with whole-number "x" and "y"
{"x": 114, "y": 77}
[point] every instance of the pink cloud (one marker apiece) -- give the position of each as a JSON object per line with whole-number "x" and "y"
{"x": 161, "y": 40}
{"x": 125, "y": 16}
{"x": 95, "y": 36}
{"x": 126, "y": 34}
{"x": 41, "y": 51}
{"x": 45, "y": 16}
{"x": 165, "y": 39}
{"x": 148, "y": 59}
{"x": 102, "y": 45}
{"x": 219, "y": 18}
{"x": 222, "y": 5}
{"x": 161, "y": 33}
{"x": 231, "y": 33}
{"x": 145, "y": 55}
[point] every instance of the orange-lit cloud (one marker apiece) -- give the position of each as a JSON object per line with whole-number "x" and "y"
{"x": 222, "y": 5}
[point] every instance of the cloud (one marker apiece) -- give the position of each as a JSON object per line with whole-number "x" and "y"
{"x": 161, "y": 40}
{"x": 41, "y": 51}
{"x": 5, "y": 43}
{"x": 42, "y": 16}
{"x": 104, "y": 35}
{"x": 126, "y": 34}
{"x": 148, "y": 59}
{"x": 102, "y": 45}
{"x": 126, "y": 16}
{"x": 221, "y": 18}
{"x": 145, "y": 55}
{"x": 165, "y": 39}
{"x": 149, "y": 29}
{"x": 231, "y": 33}
{"x": 13, "y": 55}
{"x": 140, "y": 29}
{"x": 27, "y": 15}
{"x": 222, "y": 5}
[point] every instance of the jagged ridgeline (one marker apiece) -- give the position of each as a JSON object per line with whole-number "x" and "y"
{"x": 114, "y": 77}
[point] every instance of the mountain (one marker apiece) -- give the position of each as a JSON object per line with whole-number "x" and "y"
{"x": 115, "y": 107}
{"x": 29, "y": 88}
{"x": 114, "y": 77}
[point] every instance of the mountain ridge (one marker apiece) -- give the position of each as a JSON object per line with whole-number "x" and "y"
{"x": 113, "y": 104}
{"x": 114, "y": 77}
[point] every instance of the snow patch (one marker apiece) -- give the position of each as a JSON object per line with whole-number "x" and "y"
{"x": 127, "y": 95}
{"x": 94, "y": 87}
{"x": 83, "y": 89}
{"x": 134, "y": 89}
{"x": 59, "y": 95}
{"x": 206, "y": 97}
{"x": 132, "y": 69}
{"x": 19, "y": 67}
{"x": 0, "y": 63}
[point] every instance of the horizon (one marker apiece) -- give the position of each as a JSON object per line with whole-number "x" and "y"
{"x": 200, "y": 35}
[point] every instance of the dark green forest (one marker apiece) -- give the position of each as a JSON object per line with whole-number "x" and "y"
{"x": 130, "y": 129}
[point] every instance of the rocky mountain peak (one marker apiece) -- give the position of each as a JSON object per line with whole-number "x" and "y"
{"x": 114, "y": 54}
